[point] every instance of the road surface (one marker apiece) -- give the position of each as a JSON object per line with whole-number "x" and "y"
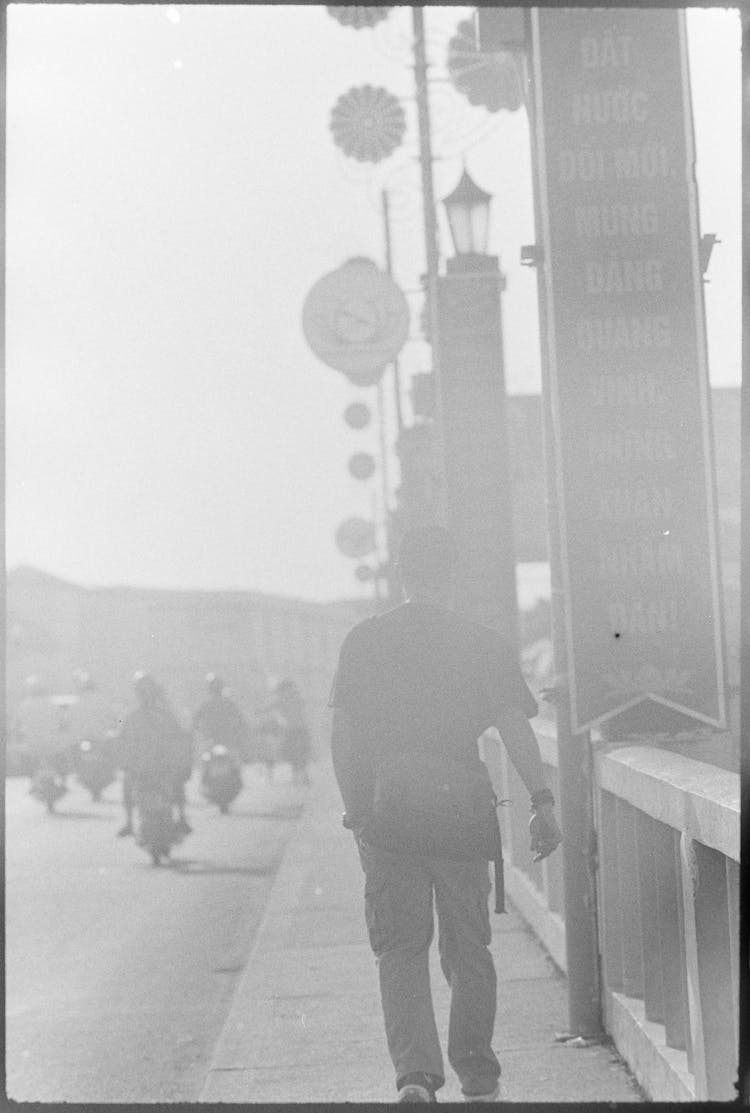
{"x": 119, "y": 975}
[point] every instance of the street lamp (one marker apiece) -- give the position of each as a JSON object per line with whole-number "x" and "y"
{"x": 468, "y": 212}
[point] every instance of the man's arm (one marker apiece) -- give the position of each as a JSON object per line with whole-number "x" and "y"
{"x": 522, "y": 747}
{"x": 353, "y": 771}
{"x": 523, "y": 750}
{"x": 342, "y": 755}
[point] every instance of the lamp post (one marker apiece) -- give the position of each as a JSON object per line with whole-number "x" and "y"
{"x": 468, "y": 212}
{"x": 478, "y": 488}
{"x": 437, "y": 495}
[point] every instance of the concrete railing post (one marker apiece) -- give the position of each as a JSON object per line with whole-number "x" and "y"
{"x": 695, "y": 1010}
{"x": 715, "y": 973}
{"x": 653, "y": 988}
{"x": 611, "y": 925}
{"x": 630, "y": 926}
{"x": 671, "y": 937}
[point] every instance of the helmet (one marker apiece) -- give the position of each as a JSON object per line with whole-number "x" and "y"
{"x": 146, "y": 688}
{"x": 215, "y": 684}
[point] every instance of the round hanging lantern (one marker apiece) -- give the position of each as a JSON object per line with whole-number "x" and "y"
{"x": 357, "y": 415}
{"x": 492, "y": 80}
{"x": 355, "y": 538}
{"x": 368, "y": 123}
{"x": 358, "y": 18}
{"x": 362, "y": 465}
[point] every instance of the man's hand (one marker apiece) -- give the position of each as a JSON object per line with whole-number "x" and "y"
{"x": 545, "y": 834}
{"x": 357, "y": 825}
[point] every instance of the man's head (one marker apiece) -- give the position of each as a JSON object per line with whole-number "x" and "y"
{"x": 427, "y": 563}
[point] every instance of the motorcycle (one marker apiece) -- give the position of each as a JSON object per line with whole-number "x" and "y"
{"x": 94, "y": 766}
{"x": 264, "y": 745}
{"x": 221, "y": 779}
{"x": 156, "y": 830}
{"x": 47, "y": 785}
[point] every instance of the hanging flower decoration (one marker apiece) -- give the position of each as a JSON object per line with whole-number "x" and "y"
{"x": 358, "y": 17}
{"x": 368, "y": 123}
{"x": 492, "y": 80}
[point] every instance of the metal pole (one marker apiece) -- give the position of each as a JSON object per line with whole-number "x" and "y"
{"x": 385, "y": 494}
{"x": 378, "y": 560}
{"x": 743, "y": 1074}
{"x": 389, "y": 272}
{"x": 385, "y": 489}
{"x": 391, "y": 590}
{"x": 432, "y": 256}
{"x": 574, "y": 758}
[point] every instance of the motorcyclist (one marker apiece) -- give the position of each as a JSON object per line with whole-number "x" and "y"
{"x": 296, "y": 746}
{"x": 93, "y": 716}
{"x": 38, "y": 730}
{"x": 153, "y": 746}
{"x": 219, "y": 720}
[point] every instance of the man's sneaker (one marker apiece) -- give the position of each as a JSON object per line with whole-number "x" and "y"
{"x": 183, "y": 827}
{"x": 412, "y": 1092}
{"x": 493, "y": 1095}
{"x": 126, "y": 830}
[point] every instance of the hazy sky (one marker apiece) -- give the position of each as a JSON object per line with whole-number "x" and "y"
{"x": 173, "y": 193}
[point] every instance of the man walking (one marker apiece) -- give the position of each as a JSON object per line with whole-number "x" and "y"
{"x": 422, "y": 678}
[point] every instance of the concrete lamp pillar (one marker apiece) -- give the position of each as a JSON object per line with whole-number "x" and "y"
{"x": 475, "y": 441}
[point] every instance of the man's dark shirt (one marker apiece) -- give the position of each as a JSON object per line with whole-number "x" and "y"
{"x": 425, "y": 678}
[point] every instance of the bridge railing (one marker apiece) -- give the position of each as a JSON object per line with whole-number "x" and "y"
{"x": 668, "y": 834}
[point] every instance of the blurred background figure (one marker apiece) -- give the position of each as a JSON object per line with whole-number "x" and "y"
{"x": 39, "y": 734}
{"x": 266, "y": 732}
{"x": 92, "y": 715}
{"x": 295, "y": 746}
{"x": 153, "y": 747}
{"x": 220, "y": 721}
{"x": 92, "y": 725}
{"x": 221, "y": 727}
{"x": 38, "y": 731}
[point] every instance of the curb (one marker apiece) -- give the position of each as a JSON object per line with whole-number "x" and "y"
{"x": 288, "y": 882}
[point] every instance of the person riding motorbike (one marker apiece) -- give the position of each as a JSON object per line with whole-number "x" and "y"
{"x": 219, "y": 720}
{"x": 295, "y": 746}
{"x": 38, "y": 731}
{"x": 92, "y": 716}
{"x": 153, "y": 746}
{"x": 92, "y": 724}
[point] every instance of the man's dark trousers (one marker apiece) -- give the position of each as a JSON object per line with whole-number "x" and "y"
{"x": 399, "y": 913}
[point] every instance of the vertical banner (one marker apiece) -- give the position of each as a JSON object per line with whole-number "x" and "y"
{"x": 628, "y": 367}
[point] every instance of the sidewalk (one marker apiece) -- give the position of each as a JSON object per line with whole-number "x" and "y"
{"x": 305, "y": 1024}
